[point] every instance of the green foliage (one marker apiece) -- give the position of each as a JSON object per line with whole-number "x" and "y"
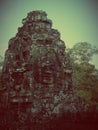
{"x": 84, "y": 94}
{"x": 90, "y": 96}
{"x": 85, "y": 75}
{"x": 1, "y": 63}
{"x": 82, "y": 52}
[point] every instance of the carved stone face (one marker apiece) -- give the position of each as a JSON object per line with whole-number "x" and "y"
{"x": 45, "y": 69}
{"x": 34, "y": 72}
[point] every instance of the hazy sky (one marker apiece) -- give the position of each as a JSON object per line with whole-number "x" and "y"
{"x": 76, "y": 20}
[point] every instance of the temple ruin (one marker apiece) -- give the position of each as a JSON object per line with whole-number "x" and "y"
{"x": 37, "y": 74}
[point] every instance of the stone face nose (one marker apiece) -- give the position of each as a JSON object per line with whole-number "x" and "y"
{"x": 35, "y": 65}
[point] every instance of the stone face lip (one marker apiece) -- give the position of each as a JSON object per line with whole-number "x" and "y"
{"x": 37, "y": 71}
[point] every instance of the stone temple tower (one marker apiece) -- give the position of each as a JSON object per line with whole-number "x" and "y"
{"x": 36, "y": 73}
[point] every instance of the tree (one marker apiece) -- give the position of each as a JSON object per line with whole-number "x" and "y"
{"x": 82, "y": 52}
{"x": 85, "y": 75}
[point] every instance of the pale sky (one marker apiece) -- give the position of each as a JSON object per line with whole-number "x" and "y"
{"x": 76, "y": 20}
